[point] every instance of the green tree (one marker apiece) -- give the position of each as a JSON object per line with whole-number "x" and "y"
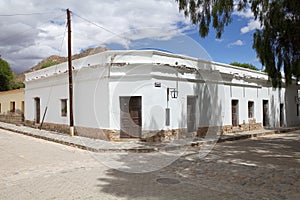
{"x": 244, "y": 65}
{"x": 17, "y": 84}
{"x": 277, "y": 43}
{"x": 7, "y": 78}
{"x": 6, "y": 75}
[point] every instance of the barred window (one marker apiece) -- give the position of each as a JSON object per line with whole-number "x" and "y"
{"x": 64, "y": 107}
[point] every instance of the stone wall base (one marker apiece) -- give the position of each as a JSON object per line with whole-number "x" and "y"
{"x": 96, "y": 133}
{"x": 149, "y": 136}
{"x": 12, "y": 118}
{"x": 229, "y": 129}
{"x": 165, "y": 135}
{"x": 61, "y": 128}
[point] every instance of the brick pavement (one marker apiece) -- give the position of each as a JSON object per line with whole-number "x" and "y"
{"x": 264, "y": 167}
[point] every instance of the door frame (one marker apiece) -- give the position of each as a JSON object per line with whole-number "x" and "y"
{"x": 124, "y": 115}
{"x": 191, "y": 127}
{"x": 265, "y": 113}
{"x": 236, "y": 122}
{"x": 37, "y": 110}
{"x": 281, "y": 114}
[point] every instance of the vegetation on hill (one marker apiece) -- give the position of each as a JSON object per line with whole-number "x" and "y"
{"x": 54, "y": 60}
{"x": 244, "y": 65}
{"x": 48, "y": 64}
{"x": 8, "y": 78}
{"x": 11, "y": 81}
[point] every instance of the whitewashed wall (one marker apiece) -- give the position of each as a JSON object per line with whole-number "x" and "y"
{"x": 100, "y": 80}
{"x": 50, "y": 91}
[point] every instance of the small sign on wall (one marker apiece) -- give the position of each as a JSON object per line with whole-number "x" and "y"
{"x": 157, "y": 84}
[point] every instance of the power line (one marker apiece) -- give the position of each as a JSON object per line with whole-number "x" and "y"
{"x": 62, "y": 42}
{"x": 59, "y": 54}
{"x": 93, "y": 23}
{"x": 24, "y": 14}
{"x": 20, "y": 33}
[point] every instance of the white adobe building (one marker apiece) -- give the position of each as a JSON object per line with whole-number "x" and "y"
{"x": 156, "y": 96}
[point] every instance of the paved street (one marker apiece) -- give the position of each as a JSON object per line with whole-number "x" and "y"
{"x": 260, "y": 168}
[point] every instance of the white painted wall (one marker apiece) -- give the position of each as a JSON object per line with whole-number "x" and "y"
{"x": 101, "y": 79}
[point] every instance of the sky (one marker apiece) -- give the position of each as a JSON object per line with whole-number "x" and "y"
{"x": 32, "y": 30}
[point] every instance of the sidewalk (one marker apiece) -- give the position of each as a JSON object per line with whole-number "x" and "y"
{"x": 126, "y": 146}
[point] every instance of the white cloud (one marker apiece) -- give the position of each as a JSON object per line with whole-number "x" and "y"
{"x": 247, "y": 13}
{"x": 24, "y": 39}
{"x": 252, "y": 25}
{"x": 218, "y": 40}
{"x": 236, "y": 43}
{"x": 249, "y": 16}
{"x": 256, "y": 59}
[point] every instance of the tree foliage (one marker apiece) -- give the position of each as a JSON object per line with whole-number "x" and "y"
{"x": 277, "y": 43}
{"x": 244, "y": 65}
{"x": 7, "y": 77}
{"x": 17, "y": 84}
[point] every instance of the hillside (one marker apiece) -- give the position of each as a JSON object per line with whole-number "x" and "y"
{"x": 58, "y": 59}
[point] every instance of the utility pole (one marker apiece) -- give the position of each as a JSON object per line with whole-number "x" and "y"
{"x": 70, "y": 73}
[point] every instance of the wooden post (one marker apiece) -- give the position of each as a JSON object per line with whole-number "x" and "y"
{"x": 70, "y": 73}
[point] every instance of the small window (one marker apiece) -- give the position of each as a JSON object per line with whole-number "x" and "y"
{"x": 296, "y": 109}
{"x": 12, "y": 106}
{"x": 250, "y": 109}
{"x": 64, "y": 107}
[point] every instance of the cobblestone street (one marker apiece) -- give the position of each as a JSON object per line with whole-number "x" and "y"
{"x": 266, "y": 167}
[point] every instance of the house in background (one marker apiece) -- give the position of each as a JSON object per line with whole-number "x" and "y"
{"x": 156, "y": 96}
{"x": 12, "y": 106}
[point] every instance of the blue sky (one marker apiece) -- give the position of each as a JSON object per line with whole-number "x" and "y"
{"x": 224, "y": 50}
{"x": 233, "y": 46}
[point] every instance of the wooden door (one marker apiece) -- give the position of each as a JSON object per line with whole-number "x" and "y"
{"x": 281, "y": 115}
{"x": 22, "y": 107}
{"x": 191, "y": 113}
{"x": 23, "y": 110}
{"x": 265, "y": 113}
{"x": 131, "y": 117}
{"x": 235, "y": 112}
{"x": 37, "y": 110}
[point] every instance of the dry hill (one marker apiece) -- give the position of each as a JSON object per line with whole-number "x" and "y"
{"x": 51, "y": 60}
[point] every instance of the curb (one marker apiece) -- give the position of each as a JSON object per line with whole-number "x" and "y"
{"x": 246, "y": 136}
{"x": 223, "y": 138}
{"x": 49, "y": 139}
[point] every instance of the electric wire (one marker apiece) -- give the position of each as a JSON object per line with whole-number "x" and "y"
{"x": 101, "y": 27}
{"x": 62, "y": 42}
{"x": 27, "y": 30}
{"x": 25, "y": 14}
{"x": 52, "y": 85}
